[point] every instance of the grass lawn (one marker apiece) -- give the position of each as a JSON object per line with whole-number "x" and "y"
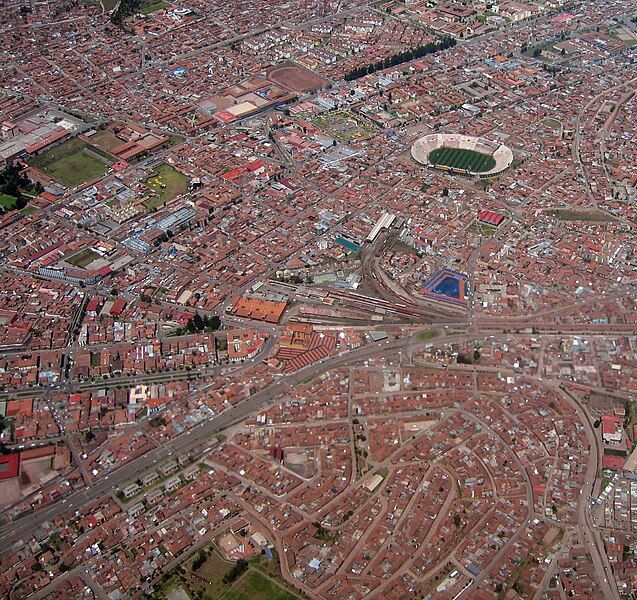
{"x": 7, "y": 202}
{"x": 167, "y": 183}
{"x": 151, "y": 8}
{"x": 82, "y": 258}
{"x": 482, "y": 228}
{"x": 255, "y": 586}
{"x": 580, "y": 215}
{"x": 106, "y": 140}
{"x": 262, "y": 581}
{"x": 73, "y": 163}
{"x": 209, "y": 577}
{"x": 29, "y": 210}
{"x": 461, "y": 158}
{"x": 428, "y": 335}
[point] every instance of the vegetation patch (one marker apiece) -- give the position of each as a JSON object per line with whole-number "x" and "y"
{"x": 552, "y": 123}
{"x": 106, "y": 140}
{"x": 13, "y": 187}
{"x": 405, "y": 248}
{"x": 197, "y": 324}
{"x": 82, "y": 258}
{"x": 461, "y": 158}
{"x": 343, "y": 125}
{"x": 322, "y": 533}
{"x": 7, "y": 202}
{"x": 482, "y": 228}
{"x": 73, "y": 163}
{"x": 165, "y": 184}
{"x": 151, "y": 8}
{"x": 207, "y": 575}
{"x": 580, "y": 215}
{"x": 430, "y": 334}
{"x": 401, "y": 57}
{"x": 255, "y": 586}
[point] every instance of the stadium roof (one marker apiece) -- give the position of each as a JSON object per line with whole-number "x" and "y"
{"x": 490, "y": 217}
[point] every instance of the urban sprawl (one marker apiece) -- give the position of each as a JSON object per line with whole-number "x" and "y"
{"x": 318, "y": 299}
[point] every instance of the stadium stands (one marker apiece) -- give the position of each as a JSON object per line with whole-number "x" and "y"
{"x": 424, "y": 146}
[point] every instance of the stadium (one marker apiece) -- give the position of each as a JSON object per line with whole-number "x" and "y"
{"x": 462, "y": 154}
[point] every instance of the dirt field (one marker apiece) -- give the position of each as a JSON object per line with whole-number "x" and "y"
{"x": 295, "y": 78}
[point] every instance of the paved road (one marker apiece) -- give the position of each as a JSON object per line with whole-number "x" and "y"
{"x": 204, "y": 434}
{"x": 198, "y": 436}
{"x": 584, "y": 518}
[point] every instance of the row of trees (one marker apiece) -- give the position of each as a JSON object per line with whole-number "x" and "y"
{"x": 239, "y": 569}
{"x": 401, "y": 57}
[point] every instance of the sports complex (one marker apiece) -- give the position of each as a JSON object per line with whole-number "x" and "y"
{"x": 447, "y": 286}
{"x": 463, "y": 154}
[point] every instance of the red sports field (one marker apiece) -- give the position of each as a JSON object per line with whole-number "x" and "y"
{"x": 296, "y": 78}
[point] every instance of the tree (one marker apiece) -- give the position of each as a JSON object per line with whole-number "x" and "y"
{"x": 239, "y": 569}
{"x": 198, "y": 322}
{"x": 401, "y": 57}
{"x": 202, "y": 557}
{"x": 125, "y": 9}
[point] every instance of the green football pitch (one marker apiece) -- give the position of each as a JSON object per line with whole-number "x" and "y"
{"x": 460, "y": 158}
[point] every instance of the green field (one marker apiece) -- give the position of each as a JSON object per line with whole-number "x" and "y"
{"x": 151, "y": 8}
{"x": 255, "y": 586}
{"x": 429, "y": 334}
{"x": 166, "y": 183}
{"x": 7, "y": 202}
{"x": 82, "y": 258}
{"x": 106, "y": 140}
{"x": 580, "y": 215}
{"x": 460, "y": 158}
{"x": 73, "y": 163}
{"x": 482, "y": 228}
{"x": 29, "y": 210}
{"x": 258, "y": 583}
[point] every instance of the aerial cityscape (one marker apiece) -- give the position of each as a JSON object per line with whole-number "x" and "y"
{"x": 318, "y": 299}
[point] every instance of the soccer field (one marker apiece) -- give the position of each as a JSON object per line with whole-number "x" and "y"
{"x": 461, "y": 158}
{"x": 73, "y": 163}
